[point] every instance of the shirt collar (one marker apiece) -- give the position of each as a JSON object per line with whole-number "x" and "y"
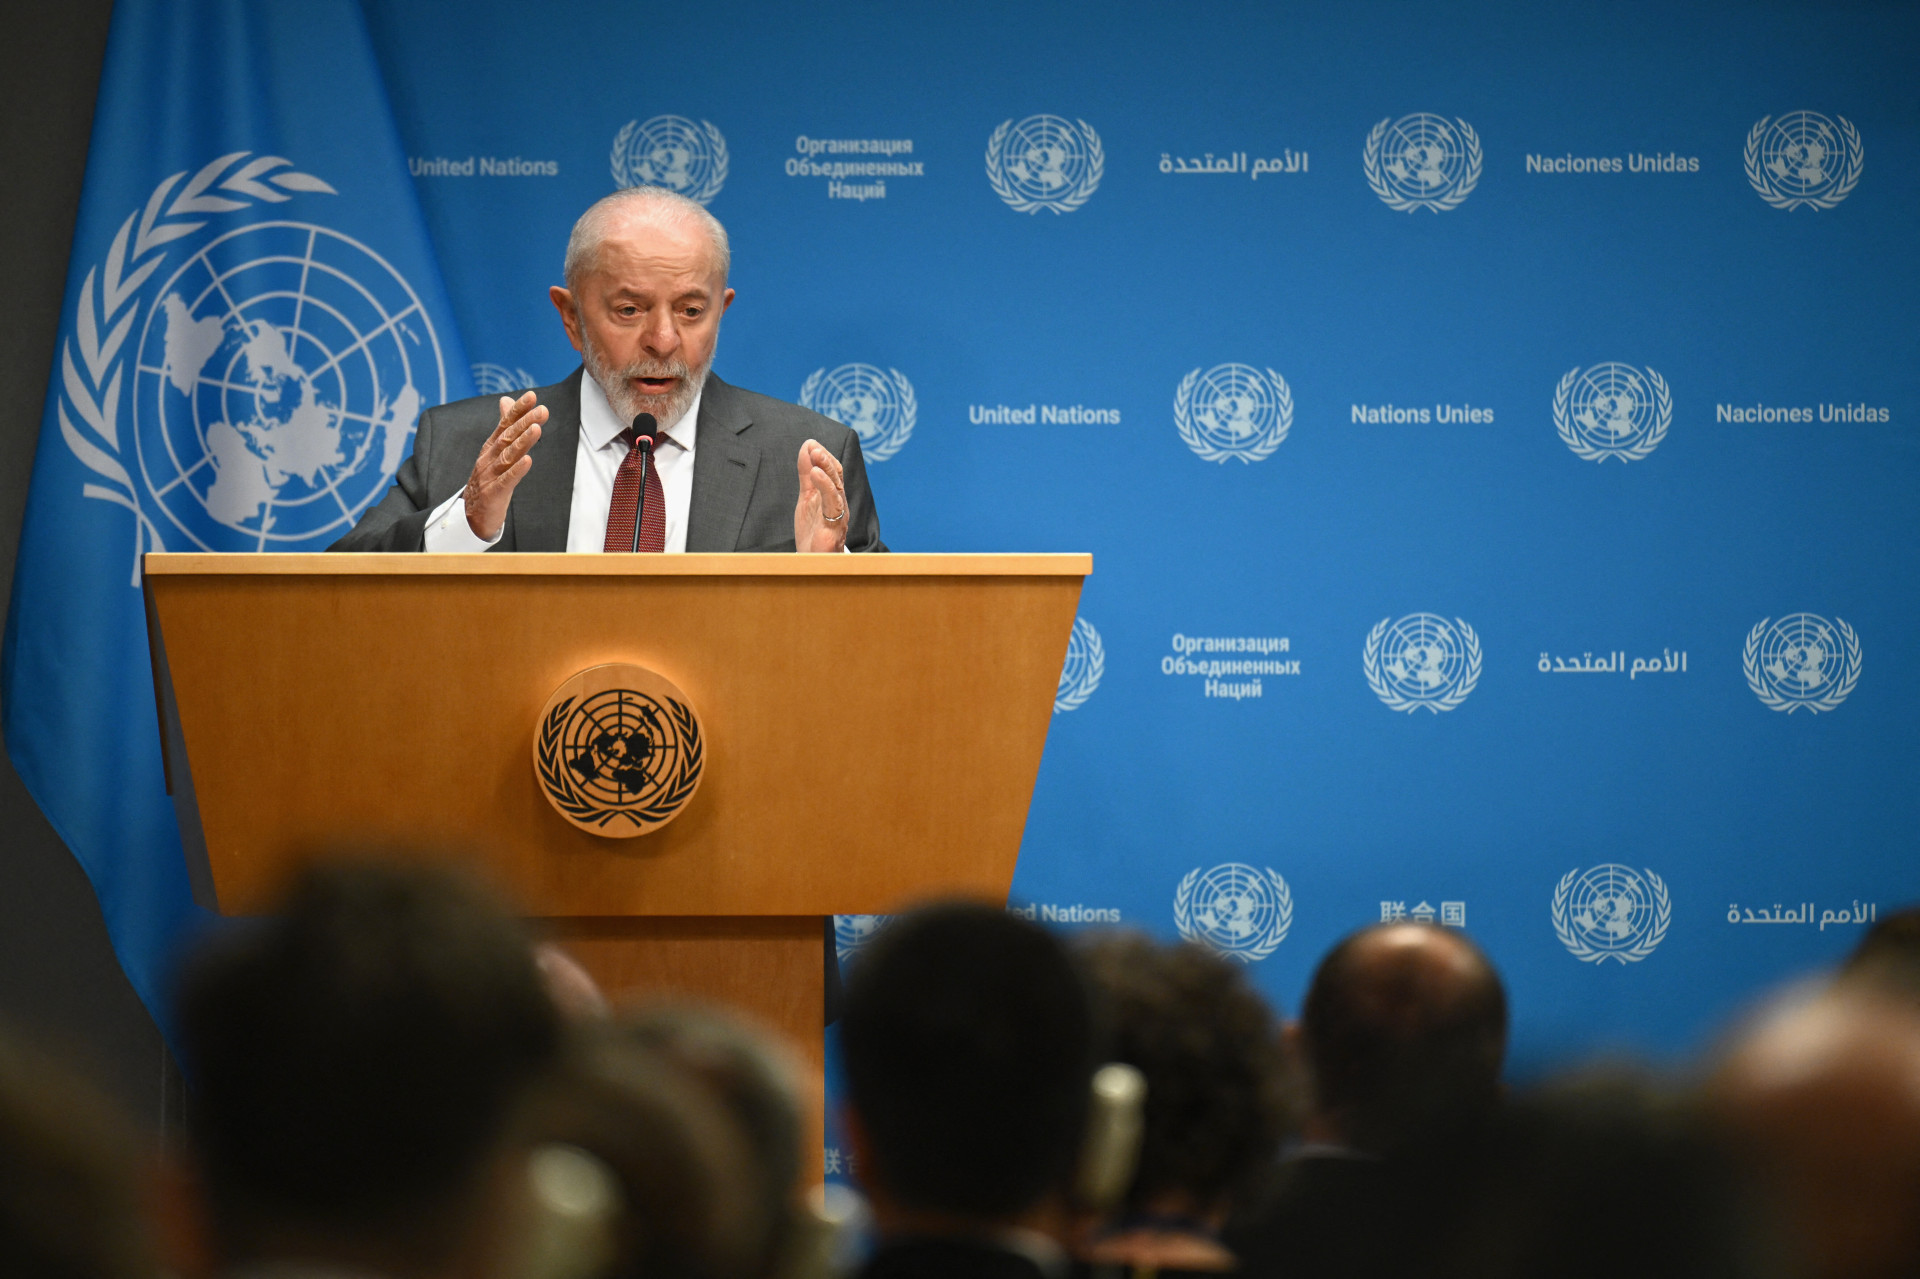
{"x": 601, "y": 426}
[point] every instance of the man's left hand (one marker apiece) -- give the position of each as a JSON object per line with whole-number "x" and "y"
{"x": 820, "y": 517}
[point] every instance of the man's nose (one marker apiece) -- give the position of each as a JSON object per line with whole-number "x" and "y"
{"x": 660, "y": 337}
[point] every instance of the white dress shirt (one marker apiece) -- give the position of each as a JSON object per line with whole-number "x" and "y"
{"x": 595, "y": 463}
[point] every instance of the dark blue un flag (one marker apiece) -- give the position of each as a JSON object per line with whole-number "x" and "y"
{"x": 253, "y": 320}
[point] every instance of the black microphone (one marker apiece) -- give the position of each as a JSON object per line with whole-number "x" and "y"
{"x": 646, "y": 435}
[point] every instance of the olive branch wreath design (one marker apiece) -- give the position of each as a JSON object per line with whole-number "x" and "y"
{"x": 1849, "y": 176}
{"x": 623, "y": 169}
{"x": 1211, "y": 452}
{"x": 1370, "y": 161}
{"x": 1662, "y": 916}
{"x": 559, "y": 782}
{"x": 1083, "y": 190}
{"x": 890, "y": 441}
{"x": 1082, "y": 688}
{"x": 1563, "y": 421}
{"x": 105, "y": 315}
{"x": 1764, "y": 690}
{"x": 1377, "y": 681}
{"x": 1282, "y": 914}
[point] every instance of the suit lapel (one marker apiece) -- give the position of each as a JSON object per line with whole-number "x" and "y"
{"x": 724, "y": 469}
{"x": 542, "y": 506}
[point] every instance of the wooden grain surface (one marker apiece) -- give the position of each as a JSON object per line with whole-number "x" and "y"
{"x": 874, "y": 723}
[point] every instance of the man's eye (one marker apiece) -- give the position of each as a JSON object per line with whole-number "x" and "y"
{"x": 693, "y": 312}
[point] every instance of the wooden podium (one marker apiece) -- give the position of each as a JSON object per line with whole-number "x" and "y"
{"x": 872, "y": 728}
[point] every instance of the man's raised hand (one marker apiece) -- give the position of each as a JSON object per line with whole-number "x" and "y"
{"x": 503, "y": 463}
{"x": 820, "y": 517}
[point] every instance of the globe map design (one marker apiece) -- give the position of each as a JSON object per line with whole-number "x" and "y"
{"x": 280, "y": 374}
{"x": 498, "y": 379}
{"x": 1045, "y": 157}
{"x": 1235, "y": 908}
{"x": 1235, "y": 407}
{"x": 1423, "y": 156}
{"x": 1612, "y": 406}
{"x": 1610, "y": 908}
{"x": 621, "y": 747}
{"x": 1802, "y": 657}
{"x": 674, "y": 152}
{"x": 851, "y": 932}
{"x": 1423, "y": 656}
{"x": 868, "y": 400}
{"x": 1803, "y": 154}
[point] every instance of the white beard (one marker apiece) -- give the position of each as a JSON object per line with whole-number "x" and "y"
{"x": 627, "y": 403}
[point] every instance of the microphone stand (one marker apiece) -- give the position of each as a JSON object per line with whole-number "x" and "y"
{"x": 645, "y": 444}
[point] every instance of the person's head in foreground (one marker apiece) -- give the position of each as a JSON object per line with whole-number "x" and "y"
{"x": 1821, "y": 1097}
{"x": 356, "y": 1063}
{"x": 1404, "y": 1030}
{"x": 969, "y": 1049}
{"x": 1888, "y": 957}
{"x": 69, "y": 1208}
{"x": 640, "y": 1169}
{"x": 1218, "y": 1100}
{"x": 758, "y": 1086}
{"x": 1590, "y": 1178}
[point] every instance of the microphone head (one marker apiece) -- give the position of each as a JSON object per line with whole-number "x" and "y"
{"x": 646, "y": 427}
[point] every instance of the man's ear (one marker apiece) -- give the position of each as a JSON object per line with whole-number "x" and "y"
{"x": 569, "y": 314}
{"x": 180, "y": 1219}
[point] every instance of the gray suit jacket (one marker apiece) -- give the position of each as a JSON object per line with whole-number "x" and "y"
{"x": 745, "y": 476}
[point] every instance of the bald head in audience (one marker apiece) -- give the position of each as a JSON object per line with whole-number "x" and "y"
{"x": 1822, "y": 1097}
{"x": 1404, "y": 1029}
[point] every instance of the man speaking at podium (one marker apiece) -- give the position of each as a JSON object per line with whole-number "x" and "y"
{"x": 643, "y": 448}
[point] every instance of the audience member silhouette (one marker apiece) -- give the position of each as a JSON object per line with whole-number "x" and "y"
{"x": 758, "y": 1085}
{"x": 69, "y": 1206}
{"x": 969, "y": 1050}
{"x": 1888, "y": 957}
{"x": 1218, "y": 1099}
{"x": 676, "y": 1172}
{"x": 1403, "y": 1034}
{"x": 1591, "y": 1178}
{"x": 356, "y": 1063}
{"x": 1821, "y": 1095}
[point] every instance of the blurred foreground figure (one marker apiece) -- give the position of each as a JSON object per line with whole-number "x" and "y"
{"x": 68, "y": 1206}
{"x": 969, "y": 1052}
{"x": 1217, "y": 1103}
{"x": 1888, "y": 957}
{"x": 1589, "y": 1179}
{"x": 357, "y": 1061}
{"x": 1403, "y": 1033}
{"x": 1822, "y": 1095}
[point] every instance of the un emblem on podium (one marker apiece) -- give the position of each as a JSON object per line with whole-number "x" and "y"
{"x": 618, "y": 751}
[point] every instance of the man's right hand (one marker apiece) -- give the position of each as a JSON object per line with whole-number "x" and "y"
{"x": 502, "y": 464}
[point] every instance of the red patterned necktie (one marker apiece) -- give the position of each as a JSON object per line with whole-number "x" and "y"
{"x": 626, "y": 499}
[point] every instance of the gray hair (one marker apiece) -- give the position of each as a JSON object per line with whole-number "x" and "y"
{"x": 583, "y": 246}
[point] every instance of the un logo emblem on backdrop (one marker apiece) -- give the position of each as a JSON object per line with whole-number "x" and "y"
{"x": 1422, "y": 661}
{"x": 1045, "y": 162}
{"x": 275, "y": 380}
{"x": 1612, "y": 410}
{"x": 851, "y": 932}
{"x": 498, "y": 379}
{"x": 1611, "y": 912}
{"x": 1080, "y": 673}
{"x": 1802, "y": 662}
{"x": 1238, "y": 910}
{"x": 1804, "y": 159}
{"x": 618, "y": 750}
{"x": 674, "y": 152}
{"x": 1422, "y": 162}
{"x": 1233, "y": 410}
{"x": 877, "y": 403}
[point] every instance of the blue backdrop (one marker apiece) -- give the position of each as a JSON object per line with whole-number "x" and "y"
{"x": 1492, "y": 424}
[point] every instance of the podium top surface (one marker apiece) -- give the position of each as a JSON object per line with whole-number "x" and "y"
{"x": 557, "y": 564}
